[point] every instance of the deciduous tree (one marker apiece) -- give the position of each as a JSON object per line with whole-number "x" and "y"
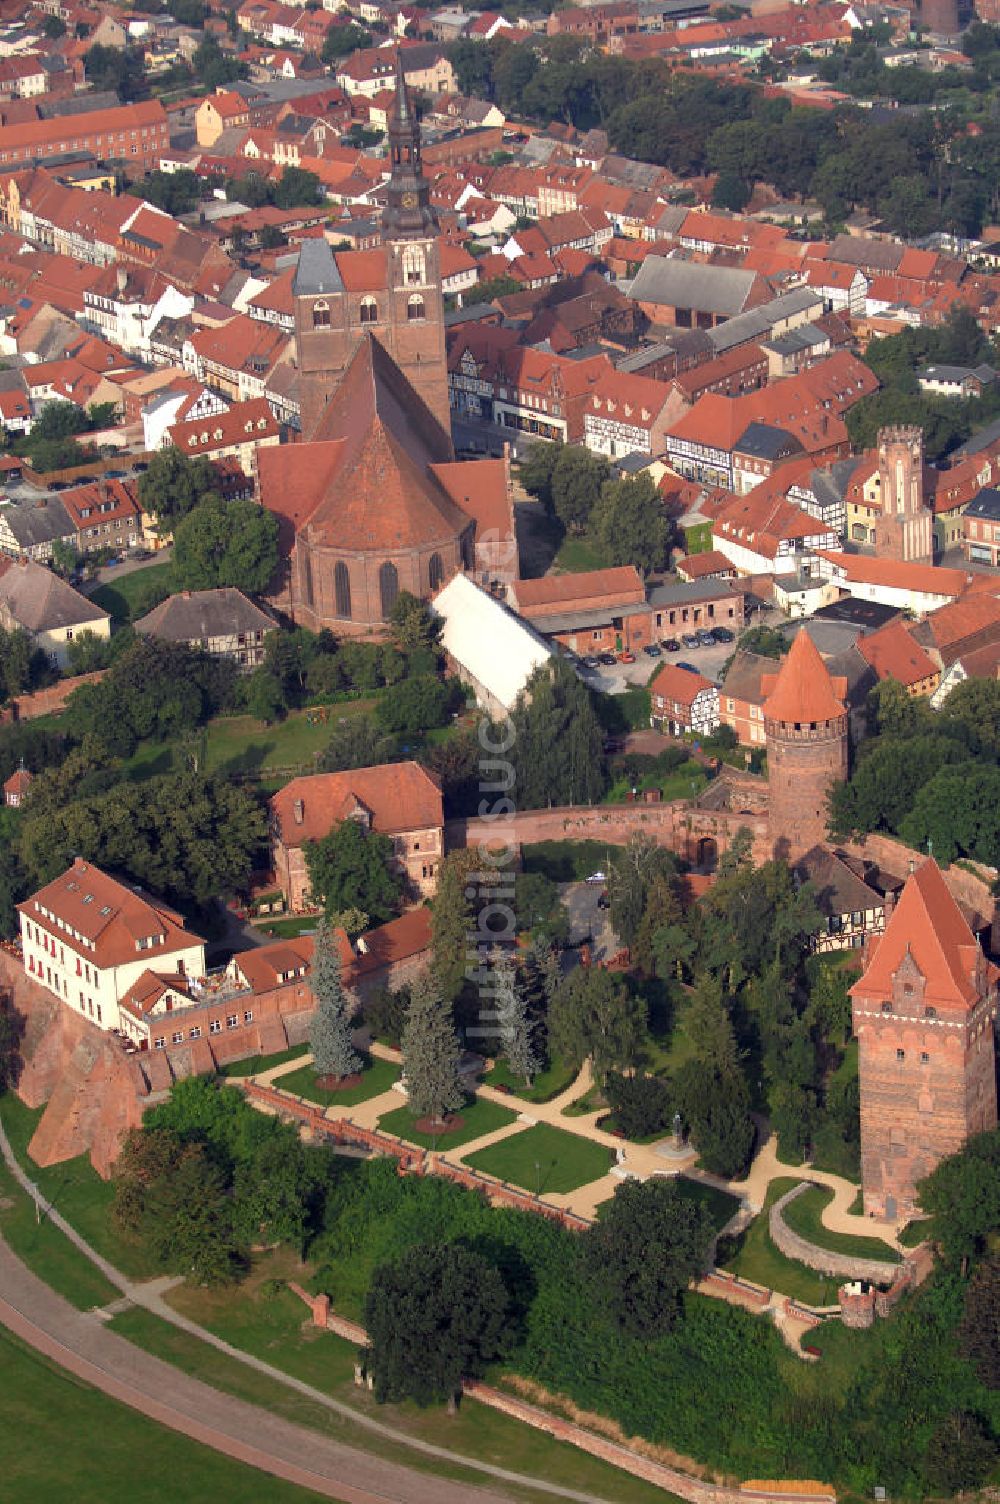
{"x": 645, "y": 1250}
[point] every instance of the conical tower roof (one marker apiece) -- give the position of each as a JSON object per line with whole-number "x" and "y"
{"x": 803, "y": 689}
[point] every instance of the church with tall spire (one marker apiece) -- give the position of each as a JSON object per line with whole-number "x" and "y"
{"x": 392, "y": 292}
{"x": 372, "y": 501}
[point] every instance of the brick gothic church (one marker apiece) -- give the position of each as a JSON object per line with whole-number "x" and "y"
{"x": 372, "y": 501}
{"x": 924, "y": 1013}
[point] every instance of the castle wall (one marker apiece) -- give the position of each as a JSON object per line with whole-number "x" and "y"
{"x": 802, "y": 767}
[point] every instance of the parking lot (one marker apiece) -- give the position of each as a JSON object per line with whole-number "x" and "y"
{"x": 614, "y": 680}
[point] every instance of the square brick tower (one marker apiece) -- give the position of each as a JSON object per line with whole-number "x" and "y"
{"x": 905, "y": 530}
{"x": 393, "y": 292}
{"x": 805, "y": 726}
{"x": 924, "y": 1012}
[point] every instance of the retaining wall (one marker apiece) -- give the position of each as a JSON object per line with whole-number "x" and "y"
{"x": 843, "y": 1265}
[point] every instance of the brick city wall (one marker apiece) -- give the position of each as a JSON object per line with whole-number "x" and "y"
{"x": 633, "y": 1459}
{"x": 795, "y": 1246}
{"x": 675, "y": 825}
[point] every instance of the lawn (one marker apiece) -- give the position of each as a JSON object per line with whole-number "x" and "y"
{"x": 682, "y": 783}
{"x": 238, "y": 744}
{"x": 377, "y": 1077}
{"x": 478, "y": 1117}
{"x": 47, "y": 1250}
{"x": 547, "y": 1084}
{"x": 720, "y": 1205}
{"x": 755, "y": 1258}
{"x": 254, "y": 1064}
{"x": 129, "y": 595}
{"x": 566, "y": 861}
{"x": 273, "y": 1329}
{"x": 67, "y": 1440}
{"x": 543, "y": 1159}
{"x": 576, "y": 555}
{"x": 76, "y": 1190}
{"x": 804, "y": 1216}
{"x": 290, "y": 929}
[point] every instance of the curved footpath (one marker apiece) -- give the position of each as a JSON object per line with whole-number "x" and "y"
{"x": 80, "y": 1343}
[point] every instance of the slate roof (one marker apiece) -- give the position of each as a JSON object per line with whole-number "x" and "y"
{"x": 986, "y": 504}
{"x": 197, "y": 614}
{"x": 673, "y": 283}
{"x": 837, "y": 889}
{"x": 317, "y": 271}
{"x": 40, "y": 601}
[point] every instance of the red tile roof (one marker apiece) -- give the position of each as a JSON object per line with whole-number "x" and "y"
{"x": 399, "y": 796}
{"x": 103, "y": 920}
{"x": 893, "y": 654}
{"x": 927, "y": 925}
{"x": 622, "y": 585}
{"x": 680, "y": 684}
{"x": 926, "y": 579}
{"x": 803, "y": 689}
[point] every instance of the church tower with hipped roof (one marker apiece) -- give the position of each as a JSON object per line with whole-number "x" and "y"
{"x": 924, "y": 1014}
{"x": 392, "y": 292}
{"x": 805, "y": 726}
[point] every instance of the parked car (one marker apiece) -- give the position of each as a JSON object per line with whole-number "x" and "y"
{"x": 604, "y": 902}
{"x": 626, "y": 657}
{"x": 723, "y": 634}
{"x": 670, "y": 645}
{"x": 597, "y": 877}
{"x": 690, "y": 668}
{"x": 141, "y": 553}
{"x": 690, "y": 639}
{"x": 706, "y": 640}
{"x": 652, "y": 650}
{"x": 608, "y": 659}
{"x": 591, "y": 661}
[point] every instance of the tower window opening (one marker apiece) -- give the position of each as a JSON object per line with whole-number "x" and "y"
{"x": 321, "y": 315}
{"x": 369, "y": 311}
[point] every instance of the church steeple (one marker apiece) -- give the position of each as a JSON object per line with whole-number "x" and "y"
{"x": 408, "y": 214}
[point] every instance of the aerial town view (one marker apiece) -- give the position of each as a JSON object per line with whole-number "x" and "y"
{"x": 499, "y": 751}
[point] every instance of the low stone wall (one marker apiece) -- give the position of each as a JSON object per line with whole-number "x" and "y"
{"x": 841, "y": 1265}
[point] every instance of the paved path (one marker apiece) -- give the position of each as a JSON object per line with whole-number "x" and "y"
{"x": 81, "y": 1344}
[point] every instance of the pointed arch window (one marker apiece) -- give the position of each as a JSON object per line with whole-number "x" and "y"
{"x": 342, "y": 590}
{"x": 414, "y": 274}
{"x": 321, "y": 315}
{"x": 436, "y": 572}
{"x": 369, "y": 311}
{"x": 388, "y": 584}
{"x": 415, "y": 310}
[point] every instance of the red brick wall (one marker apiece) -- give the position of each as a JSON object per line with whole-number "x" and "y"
{"x": 801, "y": 768}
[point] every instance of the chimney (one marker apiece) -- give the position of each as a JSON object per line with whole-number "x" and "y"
{"x": 298, "y": 811}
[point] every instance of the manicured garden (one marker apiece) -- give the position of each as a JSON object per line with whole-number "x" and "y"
{"x": 548, "y": 1083}
{"x": 543, "y": 1159}
{"x": 478, "y": 1116}
{"x": 721, "y": 1206}
{"x": 253, "y": 1065}
{"x": 577, "y": 555}
{"x": 754, "y": 1257}
{"x": 804, "y": 1216}
{"x": 289, "y": 929}
{"x": 63, "y": 1440}
{"x": 377, "y": 1076}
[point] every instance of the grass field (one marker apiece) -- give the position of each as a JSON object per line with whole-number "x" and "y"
{"x": 76, "y": 1190}
{"x": 544, "y": 1159}
{"x": 757, "y": 1259}
{"x": 254, "y": 1064}
{"x": 289, "y": 929}
{"x": 48, "y": 1251}
{"x": 576, "y": 555}
{"x": 61, "y": 1439}
{"x": 377, "y": 1076}
{"x": 547, "y": 1084}
{"x": 566, "y": 861}
{"x": 804, "y": 1216}
{"x": 478, "y": 1117}
{"x": 273, "y": 1329}
{"x": 239, "y": 744}
{"x": 682, "y": 783}
{"x": 131, "y": 595}
{"x": 721, "y": 1206}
